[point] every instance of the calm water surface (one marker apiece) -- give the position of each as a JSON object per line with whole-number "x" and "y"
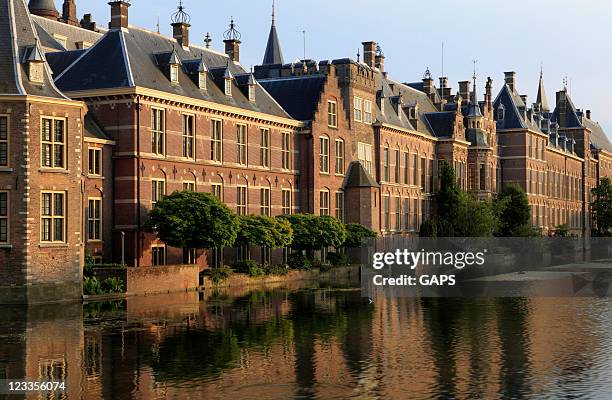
{"x": 314, "y": 343}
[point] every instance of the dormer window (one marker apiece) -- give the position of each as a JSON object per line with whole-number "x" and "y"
{"x": 228, "y": 86}
{"x": 251, "y": 92}
{"x": 500, "y": 113}
{"x": 202, "y": 80}
{"x": 36, "y": 72}
{"x": 412, "y": 113}
{"x": 174, "y": 72}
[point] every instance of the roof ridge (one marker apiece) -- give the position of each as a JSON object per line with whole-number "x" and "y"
{"x": 171, "y": 39}
{"x": 85, "y": 53}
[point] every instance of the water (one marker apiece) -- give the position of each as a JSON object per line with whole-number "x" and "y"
{"x": 314, "y": 343}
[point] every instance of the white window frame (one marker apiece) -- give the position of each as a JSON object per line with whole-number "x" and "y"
{"x": 228, "y": 87}
{"x": 188, "y": 136}
{"x": 286, "y": 203}
{"x": 340, "y": 157}
{"x": 5, "y": 138}
{"x": 358, "y": 108}
{"x": 286, "y": 151}
{"x": 174, "y": 73}
{"x": 158, "y": 190}
{"x": 332, "y": 113}
{"x": 189, "y": 186}
{"x": 367, "y": 111}
{"x": 324, "y": 198}
{"x": 364, "y": 155}
{"x": 5, "y": 212}
{"x": 242, "y": 200}
{"x": 202, "y": 81}
{"x": 265, "y": 207}
{"x": 323, "y": 154}
{"x": 94, "y": 217}
{"x": 264, "y": 147}
{"x": 53, "y": 217}
{"x": 242, "y": 140}
{"x": 339, "y": 198}
{"x": 216, "y": 140}
{"x": 158, "y": 131}
{"x": 52, "y": 143}
{"x": 252, "y": 93}
{"x": 94, "y": 161}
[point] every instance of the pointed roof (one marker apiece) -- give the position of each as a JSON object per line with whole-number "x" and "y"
{"x": 43, "y": 7}
{"x": 274, "y": 54}
{"x": 542, "y": 100}
{"x": 358, "y": 177}
{"x": 474, "y": 106}
{"x": 20, "y": 45}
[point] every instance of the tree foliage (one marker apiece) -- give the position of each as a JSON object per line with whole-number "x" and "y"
{"x": 514, "y": 212}
{"x": 261, "y": 230}
{"x": 312, "y": 232}
{"x": 448, "y": 197}
{"x": 355, "y": 234}
{"x": 602, "y": 207}
{"x": 193, "y": 220}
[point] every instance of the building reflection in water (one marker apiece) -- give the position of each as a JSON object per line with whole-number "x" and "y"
{"x": 318, "y": 343}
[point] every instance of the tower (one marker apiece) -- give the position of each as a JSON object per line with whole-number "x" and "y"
{"x": 274, "y": 54}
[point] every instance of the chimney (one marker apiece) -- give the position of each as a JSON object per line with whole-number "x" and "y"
{"x": 428, "y": 87}
{"x": 464, "y": 90}
{"x": 88, "y": 23}
{"x": 510, "y": 78}
{"x": 119, "y": 14}
{"x": 232, "y": 42}
{"x": 69, "y": 13}
{"x": 379, "y": 59}
{"x": 588, "y": 114}
{"x": 369, "y": 53}
{"x": 489, "y": 93}
{"x": 180, "y": 26}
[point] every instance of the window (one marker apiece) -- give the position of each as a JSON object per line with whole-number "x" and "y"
{"x": 251, "y": 92}
{"x": 396, "y": 174}
{"x": 242, "y": 200}
{"x": 94, "y": 220}
{"x": 415, "y": 170}
{"x": 158, "y": 134}
{"x": 423, "y": 173}
{"x": 202, "y": 80}
{"x": 483, "y": 177}
{"x": 158, "y": 255}
{"x": 95, "y": 161}
{"x": 339, "y": 166}
{"x": 364, "y": 154}
{"x": 286, "y": 201}
{"x": 190, "y": 256}
{"x": 358, "y": 105}
{"x": 216, "y": 189}
{"x": 415, "y": 214}
{"x": 324, "y": 202}
{"x": 332, "y": 114}
{"x": 398, "y": 214}
{"x": 324, "y": 155}
{"x": 4, "y": 137}
{"x": 174, "y": 70}
{"x": 216, "y": 141}
{"x": 53, "y": 143}
{"x": 53, "y": 217}
{"x": 286, "y": 151}
{"x": 406, "y": 210}
{"x": 63, "y": 40}
{"x": 387, "y": 205}
{"x": 386, "y": 164}
{"x": 158, "y": 190}
{"x": 241, "y": 140}
{"x": 264, "y": 201}
{"x": 500, "y": 113}
{"x": 264, "y": 147}
{"x": 406, "y": 177}
{"x": 4, "y": 217}
{"x": 189, "y": 186}
{"x": 367, "y": 111}
{"x": 340, "y": 206}
{"x": 228, "y": 87}
{"x": 188, "y": 136}
{"x": 430, "y": 176}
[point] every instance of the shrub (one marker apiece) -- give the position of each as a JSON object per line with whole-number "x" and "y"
{"x": 278, "y": 270}
{"x": 338, "y": 259}
{"x": 324, "y": 267}
{"x": 218, "y": 275}
{"x": 113, "y": 285}
{"x": 355, "y": 233}
{"x": 249, "y": 267}
{"x": 92, "y": 286}
{"x": 299, "y": 261}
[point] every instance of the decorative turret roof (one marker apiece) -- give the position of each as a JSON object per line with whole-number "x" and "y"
{"x": 274, "y": 54}
{"x": 474, "y": 106}
{"x": 44, "y": 8}
{"x": 542, "y": 100}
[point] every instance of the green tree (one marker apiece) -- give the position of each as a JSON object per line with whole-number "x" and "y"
{"x": 448, "y": 197}
{"x": 261, "y": 230}
{"x": 601, "y": 207}
{"x": 312, "y": 232}
{"x": 475, "y": 218}
{"x": 429, "y": 228}
{"x": 514, "y": 213}
{"x": 193, "y": 220}
{"x": 355, "y": 234}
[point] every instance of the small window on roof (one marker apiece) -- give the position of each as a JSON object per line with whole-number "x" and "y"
{"x": 202, "y": 80}
{"x": 228, "y": 86}
{"x": 251, "y": 92}
{"x": 500, "y": 113}
{"x": 174, "y": 73}
{"x": 36, "y": 72}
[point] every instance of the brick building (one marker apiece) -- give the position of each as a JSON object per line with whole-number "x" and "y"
{"x": 97, "y": 124}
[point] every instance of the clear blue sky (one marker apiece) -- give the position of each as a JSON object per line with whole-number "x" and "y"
{"x": 565, "y": 36}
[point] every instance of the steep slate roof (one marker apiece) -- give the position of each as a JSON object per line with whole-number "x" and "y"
{"x": 359, "y": 177}
{"x": 60, "y": 60}
{"x": 303, "y": 106}
{"x": 17, "y": 40}
{"x": 73, "y": 34}
{"x": 599, "y": 139}
{"x": 274, "y": 54}
{"x": 93, "y": 129}
{"x": 515, "y": 111}
{"x": 541, "y": 99}
{"x": 129, "y": 58}
{"x": 441, "y": 123}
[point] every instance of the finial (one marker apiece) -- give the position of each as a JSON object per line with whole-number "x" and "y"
{"x": 158, "y": 31}
{"x": 181, "y": 17}
{"x": 379, "y": 52}
{"x": 475, "y": 61}
{"x": 541, "y": 70}
{"x": 207, "y": 40}
{"x": 273, "y": 12}
{"x": 427, "y": 74}
{"x": 232, "y": 33}
{"x": 565, "y": 82}
{"x": 358, "y": 55}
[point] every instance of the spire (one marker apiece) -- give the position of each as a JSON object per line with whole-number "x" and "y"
{"x": 274, "y": 54}
{"x": 542, "y": 100}
{"x": 474, "y": 106}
